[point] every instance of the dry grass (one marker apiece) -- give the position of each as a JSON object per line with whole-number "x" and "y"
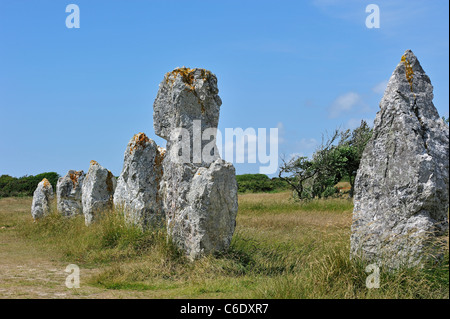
{"x": 281, "y": 249}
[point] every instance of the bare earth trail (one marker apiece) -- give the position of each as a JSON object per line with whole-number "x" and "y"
{"x": 27, "y": 272}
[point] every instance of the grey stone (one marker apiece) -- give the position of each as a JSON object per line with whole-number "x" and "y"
{"x": 401, "y": 188}
{"x": 199, "y": 192}
{"x": 42, "y": 198}
{"x": 187, "y": 97}
{"x": 137, "y": 191}
{"x": 97, "y": 192}
{"x": 68, "y": 193}
{"x": 200, "y": 205}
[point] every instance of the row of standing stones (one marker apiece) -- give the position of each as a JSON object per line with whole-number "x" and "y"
{"x": 401, "y": 189}
{"x": 197, "y": 202}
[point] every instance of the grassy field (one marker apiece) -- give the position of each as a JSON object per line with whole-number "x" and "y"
{"x": 281, "y": 249}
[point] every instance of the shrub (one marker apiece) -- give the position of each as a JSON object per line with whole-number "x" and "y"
{"x": 257, "y": 183}
{"x": 24, "y": 186}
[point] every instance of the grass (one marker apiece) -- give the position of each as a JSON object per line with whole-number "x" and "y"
{"x": 280, "y": 249}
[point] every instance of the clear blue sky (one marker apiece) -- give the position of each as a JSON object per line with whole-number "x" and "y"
{"x": 68, "y": 96}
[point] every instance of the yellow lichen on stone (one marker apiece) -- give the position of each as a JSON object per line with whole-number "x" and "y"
{"x": 409, "y": 71}
{"x": 162, "y": 151}
{"x": 187, "y": 75}
{"x": 46, "y": 183}
{"x": 74, "y": 177}
{"x": 139, "y": 139}
{"x": 94, "y": 162}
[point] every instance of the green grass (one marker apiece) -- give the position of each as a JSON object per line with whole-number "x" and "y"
{"x": 111, "y": 240}
{"x": 280, "y": 249}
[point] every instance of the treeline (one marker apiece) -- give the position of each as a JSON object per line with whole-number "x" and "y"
{"x": 24, "y": 186}
{"x": 257, "y": 183}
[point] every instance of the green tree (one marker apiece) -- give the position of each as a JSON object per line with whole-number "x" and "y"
{"x": 314, "y": 177}
{"x": 337, "y": 157}
{"x": 351, "y": 147}
{"x": 328, "y": 164}
{"x": 296, "y": 172}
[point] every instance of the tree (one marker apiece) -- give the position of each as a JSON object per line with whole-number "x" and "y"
{"x": 299, "y": 169}
{"x": 338, "y": 156}
{"x": 351, "y": 148}
{"x": 328, "y": 165}
{"x": 316, "y": 175}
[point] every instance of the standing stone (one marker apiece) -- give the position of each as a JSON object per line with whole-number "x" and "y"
{"x": 97, "y": 192}
{"x": 68, "y": 193}
{"x": 198, "y": 188}
{"x": 401, "y": 189}
{"x": 137, "y": 192}
{"x": 42, "y": 198}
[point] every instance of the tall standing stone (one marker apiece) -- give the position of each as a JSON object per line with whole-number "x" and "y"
{"x": 137, "y": 192}
{"x": 97, "y": 192}
{"x": 402, "y": 185}
{"x": 68, "y": 193}
{"x": 42, "y": 198}
{"x": 198, "y": 188}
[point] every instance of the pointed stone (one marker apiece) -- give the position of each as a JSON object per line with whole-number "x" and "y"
{"x": 401, "y": 188}
{"x": 42, "y": 198}
{"x": 97, "y": 192}
{"x": 137, "y": 192}
{"x": 68, "y": 193}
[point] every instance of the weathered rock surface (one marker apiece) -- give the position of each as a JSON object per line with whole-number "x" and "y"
{"x": 186, "y": 95}
{"x": 200, "y": 191}
{"x": 200, "y": 205}
{"x": 42, "y": 198}
{"x": 68, "y": 193}
{"x": 401, "y": 189}
{"x": 97, "y": 192}
{"x": 137, "y": 191}
{"x": 187, "y": 100}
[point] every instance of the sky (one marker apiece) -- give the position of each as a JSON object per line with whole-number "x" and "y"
{"x": 68, "y": 96}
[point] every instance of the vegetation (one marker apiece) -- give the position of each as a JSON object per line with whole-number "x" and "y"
{"x": 281, "y": 249}
{"x": 24, "y": 186}
{"x": 256, "y": 183}
{"x": 336, "y": 159}
{"x": 445, "y": 119}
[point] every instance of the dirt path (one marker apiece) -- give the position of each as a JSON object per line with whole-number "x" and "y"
{"x": 26, "y": 272}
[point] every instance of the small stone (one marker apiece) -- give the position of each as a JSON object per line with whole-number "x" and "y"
{"x": 68, "y": 193}
{"x": 97, "y": 192}
{"x": 42, "y": 198}
{"x": 137, "y": 192}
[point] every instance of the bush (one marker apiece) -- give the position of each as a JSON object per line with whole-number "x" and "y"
{"x": 257, "y": 183}
{"x": 24, "y": 186}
